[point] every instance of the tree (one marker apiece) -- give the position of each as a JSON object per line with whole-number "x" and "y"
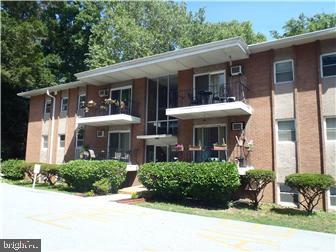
{"x": 130, "y": 30}
{"x": 257, "y": 180}
{"x": 304, "y": 24}
{"x": 311, "y": 187}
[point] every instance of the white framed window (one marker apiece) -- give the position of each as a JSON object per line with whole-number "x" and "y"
{"x": 64, "y": 104}
{"x": 61, "y": 140}
{"x": 215, "y": 82}
{"x": 100, "y": 133}
{"x": 332, "y": 197}
{"x": 81, "y": 101}
{"x": 44, "y": 141}
{"x": 283, "y": 71}
{"x": 103, "y": 92}
{"x": 80, "y": 139}
{"x": 287, "y": 195}
{"x": 328, "y": 65}
{"x": 286, "y": 131}
{"x": 47, "y": 106}
{"x": 330, "y": 125}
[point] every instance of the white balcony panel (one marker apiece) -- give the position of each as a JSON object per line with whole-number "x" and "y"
{"x": 210, "y": 110}
{"x": 118, "y": 119}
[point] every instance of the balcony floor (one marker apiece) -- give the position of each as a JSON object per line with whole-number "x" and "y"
{"x": 118, "y": 119}
{"x": 210, "y": 110}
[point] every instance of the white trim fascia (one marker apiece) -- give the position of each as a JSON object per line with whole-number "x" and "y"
{"x": 171, "y": 55}
{"x": 41, "y": 91}
{"x": 293, "y": 40}
{"x": 156, "y": 136}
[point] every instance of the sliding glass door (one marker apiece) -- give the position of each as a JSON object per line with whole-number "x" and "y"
{"x": 122, "y": 102}
{"x": 119, "y": 146}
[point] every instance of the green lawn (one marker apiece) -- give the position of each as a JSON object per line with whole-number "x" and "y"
{"x": 269, "y": 214}
{"x": 42, "y": 186}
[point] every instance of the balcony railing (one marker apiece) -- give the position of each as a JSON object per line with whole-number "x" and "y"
{"x": 115, "y": 107}
{"x": 114, "y": 154}
{"x": 231, "y": 92}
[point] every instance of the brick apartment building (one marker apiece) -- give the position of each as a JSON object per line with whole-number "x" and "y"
{"x": 270, "y": 105}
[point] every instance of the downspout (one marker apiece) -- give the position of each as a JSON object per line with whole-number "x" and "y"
{"x": 52, "y": 126}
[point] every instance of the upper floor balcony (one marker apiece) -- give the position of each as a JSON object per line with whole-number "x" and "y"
{"x": 208, "y": 101}
{"x": 107, "y": 112}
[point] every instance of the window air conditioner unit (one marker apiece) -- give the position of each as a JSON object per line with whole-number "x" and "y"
{"x": 238, "y": 126}
{"x": 236, "y": 70}
{"x": 103, "y": 93}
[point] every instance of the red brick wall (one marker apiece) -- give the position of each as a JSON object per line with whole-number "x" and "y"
{"x": 185, "y": 127}
{"x": 139, "y": 109}
{"x": 70, "y": 136}
{"x": 34, "y": 133}
{"x": 307, "y": 119}
{"x": 56, "y": 118}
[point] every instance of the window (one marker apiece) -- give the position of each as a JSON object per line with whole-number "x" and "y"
{"x": 81, "y": 101}
{"x": 119, "y": 145}
{"x": 207, "y": 137}
{"x": 100, "y": 133}
{"x": 328, "y": 64}
{"x": 64, "y": 104}
{"x": 61, "y": 140}
{"x": 80, "y": 138}
{"x": 288, "y": 195}
{"x": 286, "y": 130}
{"x": 332, "y": 193}
{"x": 283, "y": 71}
{"x": 47, "y": 106}
{"x": 213, "y": 82}
{"x": 162, "y": 94}
{"x": 331, "y": 128}
{"x": 122, "y": 101}
{"x": 45, "y": 142}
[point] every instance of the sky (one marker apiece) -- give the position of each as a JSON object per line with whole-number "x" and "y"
{"x": 264, "y": 15}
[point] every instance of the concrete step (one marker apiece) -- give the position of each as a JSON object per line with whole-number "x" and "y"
{"x": 133, "y": 189}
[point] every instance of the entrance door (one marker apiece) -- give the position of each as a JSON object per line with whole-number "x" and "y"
{"x": 157, "y": 153}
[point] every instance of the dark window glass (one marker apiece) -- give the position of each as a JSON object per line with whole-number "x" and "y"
{"x": 172, "y": 129}
{"x": 163, "y": 95}
{"x": 283, "y": 71}
{"x": 48, "y": 106}
{"x": 162, "y": 127}
{"x": 149, "y": 153}
{"x": 173, "y": 93}
{"x": 152, "y": 92}
{"x": 331, "y": 128}
{"x": 151, "y": 128}
{"x": 329, "y": 65}
{"x": 201, "y": 84}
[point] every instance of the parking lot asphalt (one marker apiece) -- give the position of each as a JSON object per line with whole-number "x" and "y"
{"x": 66, "y": 222}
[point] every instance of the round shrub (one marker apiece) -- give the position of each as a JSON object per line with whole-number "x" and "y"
{"x": 81, "y": 174}
{"x": 311, "y": 186}
{"x": 257, "y": 180}
{"x": 102, "y": 186}
{"x": 211, "y": 182}
{"x": 13, "y": 169}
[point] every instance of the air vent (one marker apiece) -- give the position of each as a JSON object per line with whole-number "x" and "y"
{"x": 236, "y": 70}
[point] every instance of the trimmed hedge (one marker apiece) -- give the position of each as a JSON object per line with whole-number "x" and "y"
{"x": 211, "y": 182}
{"x": 102, "y": 186}
{"x": 13, "y": 169}
{"x": 257, "y": 180}
{"x": 82, "y": 174}
{"x": 311, "y": 186}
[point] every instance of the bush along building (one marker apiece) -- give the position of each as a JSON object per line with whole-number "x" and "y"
{"x": 270, "y": 105}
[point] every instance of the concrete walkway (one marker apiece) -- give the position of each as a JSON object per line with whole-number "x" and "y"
{"x": 71, "y": 223}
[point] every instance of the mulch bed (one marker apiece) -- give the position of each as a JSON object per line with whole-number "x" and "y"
{"x": 131, "y": 201}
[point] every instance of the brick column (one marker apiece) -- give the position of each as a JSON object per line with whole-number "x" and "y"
{"x": 70, "y": 136}
{"x": 138, "y": 109}
{"x": 185, "y": 127}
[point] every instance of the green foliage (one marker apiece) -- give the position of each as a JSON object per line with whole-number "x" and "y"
{"x": 212, "y": 182}
{"x": 13, "y": 169}
{"x": 82, "y": 174}
{"x": 102, "y": 186}
{"x": 135, "y": 195}
{"x": 304, "y": 24}
{"x": 311, "y": 186}
{"x": 257, "y": 180}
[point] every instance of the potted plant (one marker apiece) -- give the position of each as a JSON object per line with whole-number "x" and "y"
{"x": 178, "y": 147}
{"x": 196, "y": 147}
{"x": 219, "y": 147}
{"x": 91, "y": 103}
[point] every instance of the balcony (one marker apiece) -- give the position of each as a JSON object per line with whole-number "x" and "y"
{"x": 212, "y": 101}
{"x": 113, "y": 113}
